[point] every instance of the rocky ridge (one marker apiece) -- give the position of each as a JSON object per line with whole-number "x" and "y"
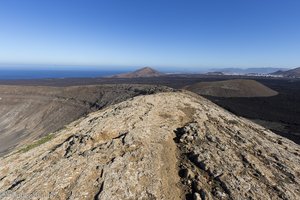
{"x": 173, "y": 145}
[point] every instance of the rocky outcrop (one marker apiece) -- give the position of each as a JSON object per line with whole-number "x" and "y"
{"x": 172, "y": 145}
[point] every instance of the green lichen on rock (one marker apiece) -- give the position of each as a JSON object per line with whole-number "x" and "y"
{"x": 37, "y": 143}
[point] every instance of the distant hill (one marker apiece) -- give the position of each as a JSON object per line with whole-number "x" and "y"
{"x": 293, "y": 73}
{"x": 232, "y": 88}
{"x": 262, "y": 70}
{"x": 143, "y": 72}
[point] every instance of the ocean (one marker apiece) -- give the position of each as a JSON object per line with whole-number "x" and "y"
{"x": 6, "y": 74}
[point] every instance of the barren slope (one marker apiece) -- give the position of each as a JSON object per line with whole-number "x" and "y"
{"x": 232, "y": 88}
{"x": 27, "y": 113}
{"x": 162, "y": 146}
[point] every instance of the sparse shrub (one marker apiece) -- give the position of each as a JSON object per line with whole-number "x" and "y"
{"x": 37, "y": 143}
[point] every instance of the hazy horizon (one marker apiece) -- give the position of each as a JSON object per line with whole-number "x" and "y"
{"x": 122, "y": 68}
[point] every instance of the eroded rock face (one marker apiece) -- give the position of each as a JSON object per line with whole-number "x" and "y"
{"x": 164, "y": 146}
{"x": 225, "y": 161}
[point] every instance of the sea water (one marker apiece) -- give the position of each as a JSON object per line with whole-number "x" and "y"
{"x": 7, "y": 74}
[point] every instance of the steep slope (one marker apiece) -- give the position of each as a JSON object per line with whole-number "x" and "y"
{"x": 232, "y": 88}
{"x": 27, "y": 113}
{"x": 143, "y": 72}
{"x": 164, "y": 146}
{"x": 293, "y": 73}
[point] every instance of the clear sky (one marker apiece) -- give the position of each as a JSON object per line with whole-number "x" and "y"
{"x": 160, "y": 33}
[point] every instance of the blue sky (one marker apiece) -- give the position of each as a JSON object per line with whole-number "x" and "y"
{"x": 190, "y": 34}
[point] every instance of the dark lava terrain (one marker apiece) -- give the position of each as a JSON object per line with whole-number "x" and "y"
{"x": 280, "y": 113}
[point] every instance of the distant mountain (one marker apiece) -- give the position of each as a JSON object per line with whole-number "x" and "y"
{"x": 263, "y": 70}
{"x": 143, "y": 72}
{"x": 293, "y": 73}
